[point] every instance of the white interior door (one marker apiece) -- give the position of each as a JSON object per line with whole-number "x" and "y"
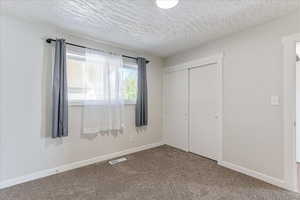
{"x": 203, "y": 108}
{"x": 298, "y": 111}
{"x": 176, "y": 109}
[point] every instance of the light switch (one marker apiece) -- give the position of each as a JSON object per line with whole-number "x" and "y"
{"x": 275, "y": 101}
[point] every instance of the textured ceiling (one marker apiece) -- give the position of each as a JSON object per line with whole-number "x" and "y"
{"x": 141, "y": 25}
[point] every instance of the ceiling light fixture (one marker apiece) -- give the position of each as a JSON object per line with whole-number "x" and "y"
{"x": 166, "y": 4}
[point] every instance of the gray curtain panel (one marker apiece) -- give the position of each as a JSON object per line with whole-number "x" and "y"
{"x": 141, "y": 108}
{"x": 60, "y": 92}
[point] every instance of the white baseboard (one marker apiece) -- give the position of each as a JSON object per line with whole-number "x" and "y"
{"x": 253, "y": 173}
{"x": 67, "y": 167}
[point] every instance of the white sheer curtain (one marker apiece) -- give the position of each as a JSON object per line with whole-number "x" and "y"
{"x": 103, "y": 102}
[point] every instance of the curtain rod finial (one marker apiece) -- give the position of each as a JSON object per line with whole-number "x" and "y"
{"x": 48, "y": 40}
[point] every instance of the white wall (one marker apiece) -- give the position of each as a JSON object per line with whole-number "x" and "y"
{"x": 253, "y": 135}
{"x": 1, "y": 88}
{"x": 25, "y": 75}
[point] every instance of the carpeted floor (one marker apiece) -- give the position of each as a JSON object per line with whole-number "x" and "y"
{"x": 162, "y": 173}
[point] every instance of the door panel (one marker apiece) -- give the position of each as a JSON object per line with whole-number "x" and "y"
{"x": 176, "y": 109}
{"x": 203, "y": 108}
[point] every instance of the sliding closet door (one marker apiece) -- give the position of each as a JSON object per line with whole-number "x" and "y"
{"x": 203, "y": 104}
{"x": 176, "y": 109}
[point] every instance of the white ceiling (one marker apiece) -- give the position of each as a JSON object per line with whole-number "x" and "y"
{"x": 139, "y": 24}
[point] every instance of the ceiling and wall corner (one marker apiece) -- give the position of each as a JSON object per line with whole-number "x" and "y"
{"x": 142, "y": 25}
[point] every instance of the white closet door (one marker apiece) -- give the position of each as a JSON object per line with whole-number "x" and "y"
{"x": 203, "y": 108}
{"x": 176, "y": 109}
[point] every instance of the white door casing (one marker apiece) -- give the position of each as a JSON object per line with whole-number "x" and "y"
{"x": 289, "y": 111}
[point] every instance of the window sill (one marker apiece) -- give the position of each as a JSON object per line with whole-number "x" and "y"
{"x": 81, "y": 104}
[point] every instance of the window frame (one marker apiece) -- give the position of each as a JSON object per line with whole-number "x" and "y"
{"x": 126, "y": 64}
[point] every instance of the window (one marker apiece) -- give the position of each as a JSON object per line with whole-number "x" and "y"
{"x": 130, "y": 82}
{"x": 78, "y": 90}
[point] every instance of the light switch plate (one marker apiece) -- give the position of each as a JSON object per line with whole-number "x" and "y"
{"x": 275, "y": 101}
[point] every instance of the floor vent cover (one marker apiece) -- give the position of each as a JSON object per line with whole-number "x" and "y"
{"x": 116, "y": 161}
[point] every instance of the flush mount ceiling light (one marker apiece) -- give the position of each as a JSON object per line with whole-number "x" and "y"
{"x": 166, "y": 4}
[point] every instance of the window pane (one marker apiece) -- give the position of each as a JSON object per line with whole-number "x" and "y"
{"x": 89, "y": 87}
{"x": 130, "y": 83}
{"x": 75, "y": 79}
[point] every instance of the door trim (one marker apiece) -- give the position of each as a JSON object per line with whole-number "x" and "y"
{"x": 289, "y": 111}
{"x": 214, "y": 59}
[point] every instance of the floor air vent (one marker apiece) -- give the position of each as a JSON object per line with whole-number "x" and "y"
{"x": 116, "y": 161}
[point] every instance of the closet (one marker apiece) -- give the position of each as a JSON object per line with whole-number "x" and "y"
{"x": 193, "y": 107}
{"x": 176, "y": 109}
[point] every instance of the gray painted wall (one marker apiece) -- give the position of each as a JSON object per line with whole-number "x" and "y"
{"x": 25, "y": 121}
{"x": 253, "y": 133}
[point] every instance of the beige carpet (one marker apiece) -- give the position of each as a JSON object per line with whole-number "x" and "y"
{"x": 162, "y": 173}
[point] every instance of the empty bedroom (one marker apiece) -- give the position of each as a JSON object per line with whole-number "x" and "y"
{"x": 149, "y": 99}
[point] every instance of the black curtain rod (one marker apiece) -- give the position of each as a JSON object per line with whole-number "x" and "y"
{"x": 49, "y": 40}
